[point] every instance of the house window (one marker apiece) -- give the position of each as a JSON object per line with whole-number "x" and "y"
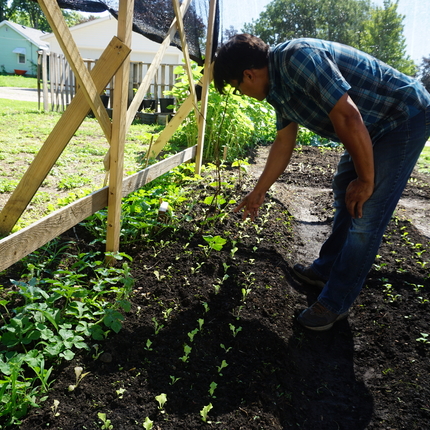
{"x": 20, "y": 53}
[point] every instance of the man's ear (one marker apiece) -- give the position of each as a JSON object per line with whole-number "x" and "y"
{"x": 248, "y": 74}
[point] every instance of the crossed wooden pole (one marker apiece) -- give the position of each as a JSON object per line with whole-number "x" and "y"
{"x": 114, "y": 62}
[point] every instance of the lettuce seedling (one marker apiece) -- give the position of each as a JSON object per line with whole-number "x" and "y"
{"x": 79, "y": 376}
{"x": 161, "y": 399}
{"x": 204, "y": 412}
{"x": 212, "y": 388}
{"x": 147, "y": 424}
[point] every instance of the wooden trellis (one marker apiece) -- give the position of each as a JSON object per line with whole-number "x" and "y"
{"x": 114, "y": 62}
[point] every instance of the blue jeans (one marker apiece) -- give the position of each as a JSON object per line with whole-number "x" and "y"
{"x": 348, "y": 254}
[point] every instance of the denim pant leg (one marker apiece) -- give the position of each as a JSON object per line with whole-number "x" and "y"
{"x": 342, "y": 220}
{"x": 349, "y": 253}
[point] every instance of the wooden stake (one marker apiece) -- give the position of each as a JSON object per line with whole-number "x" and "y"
{"x": 69, "y": 122}
{"x": 119, "y": 130}
{"x": 207, "y": 77}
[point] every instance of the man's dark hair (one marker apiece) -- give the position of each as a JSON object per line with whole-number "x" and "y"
{"x": 241, "y": 52}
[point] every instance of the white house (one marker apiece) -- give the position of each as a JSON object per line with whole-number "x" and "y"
{"x": 92, "y": 37}
{"x": 19, "y": 46}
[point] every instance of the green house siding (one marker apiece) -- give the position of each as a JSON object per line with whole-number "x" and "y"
{"x": 10, "y": 40}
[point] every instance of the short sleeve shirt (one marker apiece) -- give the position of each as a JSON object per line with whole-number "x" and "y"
{"x": 309, "y": 76}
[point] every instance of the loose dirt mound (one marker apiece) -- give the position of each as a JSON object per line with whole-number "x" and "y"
{"x": 249, "y": 358}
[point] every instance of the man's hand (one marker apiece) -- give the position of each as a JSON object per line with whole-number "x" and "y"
{"x": 277, "y": 161}
{"x": 251, "y": 203}
{"x": 357, "y": 193}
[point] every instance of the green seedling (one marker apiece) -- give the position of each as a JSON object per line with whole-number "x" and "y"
{"x": 217, "y": 287}
{"x": 107, "y": 425}
{"x": 173, "y": 380}
{"x": 235, "y": 330}
{"x": 245, "y": 293}
{"x": 161, "y": 399}
{"x": 157, "y": 326}
{"x": 120, "y": 392}
{"x": 233, "y": 249}
{"x": 54, "y": 408}
{"x": 191, "y": 334}
{"x": 212, "y": 388}
{"x": 166, "y": 313}
{"x": 158, "y": 276}
{"x": 187, "y": 351}
{"x": 148, "y": 345}
{"x": 201, "y": 321}
{"x": 98, "y": 352}
{"x": 215, "y": 242}
{"x": 197, "y": 268}
{"x": 204, "y": 412}
{"x": 206, "y": 306}
{"x": 424, "y": 339}
{"x": 148, "y": 424}
{"x": 223, "y": 365}
{"x": 79, "y": 376}
{"x": 225, "y": 348}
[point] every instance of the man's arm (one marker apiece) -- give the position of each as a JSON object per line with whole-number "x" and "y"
{"x": 277, "y": 161}
{"x": 352, "y": 132}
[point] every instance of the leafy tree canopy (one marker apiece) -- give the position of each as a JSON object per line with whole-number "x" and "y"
{"x": 424, "y": 73}
{"x": 337, "y": 20}
{"x": 383, "y": 38}
{"x": 28, "y": 13}
{"x": 378, "y": 31}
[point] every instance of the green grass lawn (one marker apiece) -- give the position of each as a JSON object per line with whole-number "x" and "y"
{"x": 17, "y": 81}
{"x": 78, "y": 171}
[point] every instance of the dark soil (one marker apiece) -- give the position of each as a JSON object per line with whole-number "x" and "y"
{"x": 367, "y": 372}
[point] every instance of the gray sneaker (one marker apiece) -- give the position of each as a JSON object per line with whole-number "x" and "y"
{"x": 319, "y": 318}
{"x": 308, "y": 275}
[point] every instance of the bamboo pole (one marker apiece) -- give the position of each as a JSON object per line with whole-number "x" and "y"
{"x": 207, "y": 77}
{"x": 119, "y": 130}
{"x": 153, "y": 68}
{"x": 181, "y": 29}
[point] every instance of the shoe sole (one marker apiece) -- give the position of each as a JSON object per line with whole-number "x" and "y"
{"x": 327, "y": 326}
{"x": 315, "y": 283}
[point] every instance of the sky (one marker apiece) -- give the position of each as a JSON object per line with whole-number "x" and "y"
{"x": 416, "y": 22}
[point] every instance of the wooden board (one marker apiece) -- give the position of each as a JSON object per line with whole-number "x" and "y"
{"x": 16, "y": 246}
{"x": 105, "y": 68}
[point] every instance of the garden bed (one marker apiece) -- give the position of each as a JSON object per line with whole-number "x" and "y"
{"x": 216, "y": 330}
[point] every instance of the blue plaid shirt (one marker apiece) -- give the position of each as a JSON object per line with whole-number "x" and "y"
{"x": 309, "y": 76}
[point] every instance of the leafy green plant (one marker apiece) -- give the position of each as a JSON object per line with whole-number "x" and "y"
{"x": 187, "y": 351}
{"x": 204, "y": 412}
{"x": 161, "y": 399}
{"x": 147, "y": 424}
{"x": 214, "y": 242}
{"x": 212, "y": 387}
{"x": 424, "y": 338}
{"x": 235, "y": 330}
{"x": 79, "y": 376}
{"x": 107, "y": 424}
{"x": 57, "y": 315}
{"x": 233, "y": 123}
{"x": 223, "y": 365}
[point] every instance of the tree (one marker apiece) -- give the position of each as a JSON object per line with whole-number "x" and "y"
{"x": 378, "y": 31}
{"x": 383, "y": 38}
{"x": 30, "y": 14}
{"x": 230, "y": 32}
{"x": 424, "y": 73}
{"x": 337, "y": 20}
